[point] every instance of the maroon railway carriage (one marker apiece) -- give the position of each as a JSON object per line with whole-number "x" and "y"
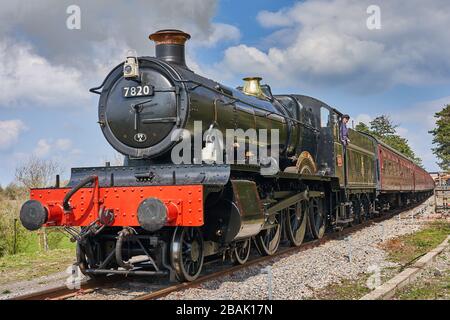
{"x": 400, "y": 179}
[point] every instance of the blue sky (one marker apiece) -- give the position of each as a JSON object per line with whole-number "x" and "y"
{"x": 321, "y": 48}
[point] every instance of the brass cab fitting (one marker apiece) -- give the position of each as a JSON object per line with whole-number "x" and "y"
{"x": 252, "y": 87}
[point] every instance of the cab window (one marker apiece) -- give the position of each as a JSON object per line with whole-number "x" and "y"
{"x": 324, "y": 117}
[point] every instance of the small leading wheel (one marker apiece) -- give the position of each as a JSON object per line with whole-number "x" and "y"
{"x": 362, "y": 212}
{"x": 81, "y": 260}
{"x": 365, "y": 208}
{"x": 186, "y": 253}
{"x": 242, "y": 251}
{"x": 268, "y": 240}
{"x": 295, "y": 222}
{"x": 356, "y": 207}
{"x": 317, "y": 217}
{"x": 84, "y": 264}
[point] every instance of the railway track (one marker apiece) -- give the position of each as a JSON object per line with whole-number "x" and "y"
{"x": 90, "y": 286}
{"x": 279, "y": 254}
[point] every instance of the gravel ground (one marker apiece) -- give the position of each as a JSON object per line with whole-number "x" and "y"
{"x": 299, "y": 275}
{"x": 12, "y": 290}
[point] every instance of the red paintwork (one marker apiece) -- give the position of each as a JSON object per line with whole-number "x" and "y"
{"x": 400, "y": 174}
{"x": 184, "y": 204}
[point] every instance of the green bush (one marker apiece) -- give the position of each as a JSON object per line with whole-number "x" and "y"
{"x": 15, "y": 192}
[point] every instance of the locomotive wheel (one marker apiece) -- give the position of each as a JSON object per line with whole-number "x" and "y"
{"x": 81, "y": 260}
{"x": 356, "y": 206}
{"x": 186, "y": 253}
{"x": 306, "y": 167}
{"x": 268, "y": 240}
{"x": 363, "y": 211}
{"x": 242, "y": 251}
{"x": 365, "y": 208}
{"x": 295, "y": 222}
{"x": 83, "y": 264}
{"x": 316, "y": 218}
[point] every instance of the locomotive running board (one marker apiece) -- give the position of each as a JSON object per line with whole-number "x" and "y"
{"x": 151, "y": 175}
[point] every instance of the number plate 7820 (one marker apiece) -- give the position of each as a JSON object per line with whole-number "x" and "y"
{"x": 138, "y": 91}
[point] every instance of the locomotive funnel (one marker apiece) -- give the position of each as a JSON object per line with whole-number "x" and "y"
{"x": 170, "y": 45}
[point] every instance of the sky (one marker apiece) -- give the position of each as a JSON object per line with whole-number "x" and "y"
{"x": 321, "y": 48}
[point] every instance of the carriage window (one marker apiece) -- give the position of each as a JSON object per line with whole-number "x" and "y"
{"x": 324, "y": 117}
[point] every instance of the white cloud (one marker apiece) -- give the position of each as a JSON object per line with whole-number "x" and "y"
{"x": 414, "y": 122}
{"x": 43, "y": 148}
{"x": 30, "y": 79}
{"x": 9, "y": 132}
{"x": 250, "y": 60}
{"x": 329, "y": 43}
{"x": 221, "y": 32}
{"x": 63, "y": 144}
{"x": 46, "y": 146}
{"x": 76, "y": 152}
{"x": 422, "y": 113}
{"x": 402, "y": 131}
{"x": 275, "y": 19}
{"x": 56, "y": 66}
{"x": 364, "y": 118}
{"x": 418, "y": 120}
{"x": 106, "y": 23}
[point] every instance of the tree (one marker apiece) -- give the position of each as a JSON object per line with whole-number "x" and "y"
{"x": 384, "y": 129}
{"x": 14, "y": 192}
{"x": 362, "y": 127}
{"x": 37, "y": 173}
{"x": 382, "y": 126}
{"x": 441, "y": 138}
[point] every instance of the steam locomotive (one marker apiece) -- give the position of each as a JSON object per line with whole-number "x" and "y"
{"x": 152, "y": 216}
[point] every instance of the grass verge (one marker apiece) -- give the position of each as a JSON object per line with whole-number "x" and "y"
{"x": 430, "y": 288}
{"x": 406, "y": 249}
{"x": 344, "y": 290}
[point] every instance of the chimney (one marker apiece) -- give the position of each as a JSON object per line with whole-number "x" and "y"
{"x": 170, "y": 45}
